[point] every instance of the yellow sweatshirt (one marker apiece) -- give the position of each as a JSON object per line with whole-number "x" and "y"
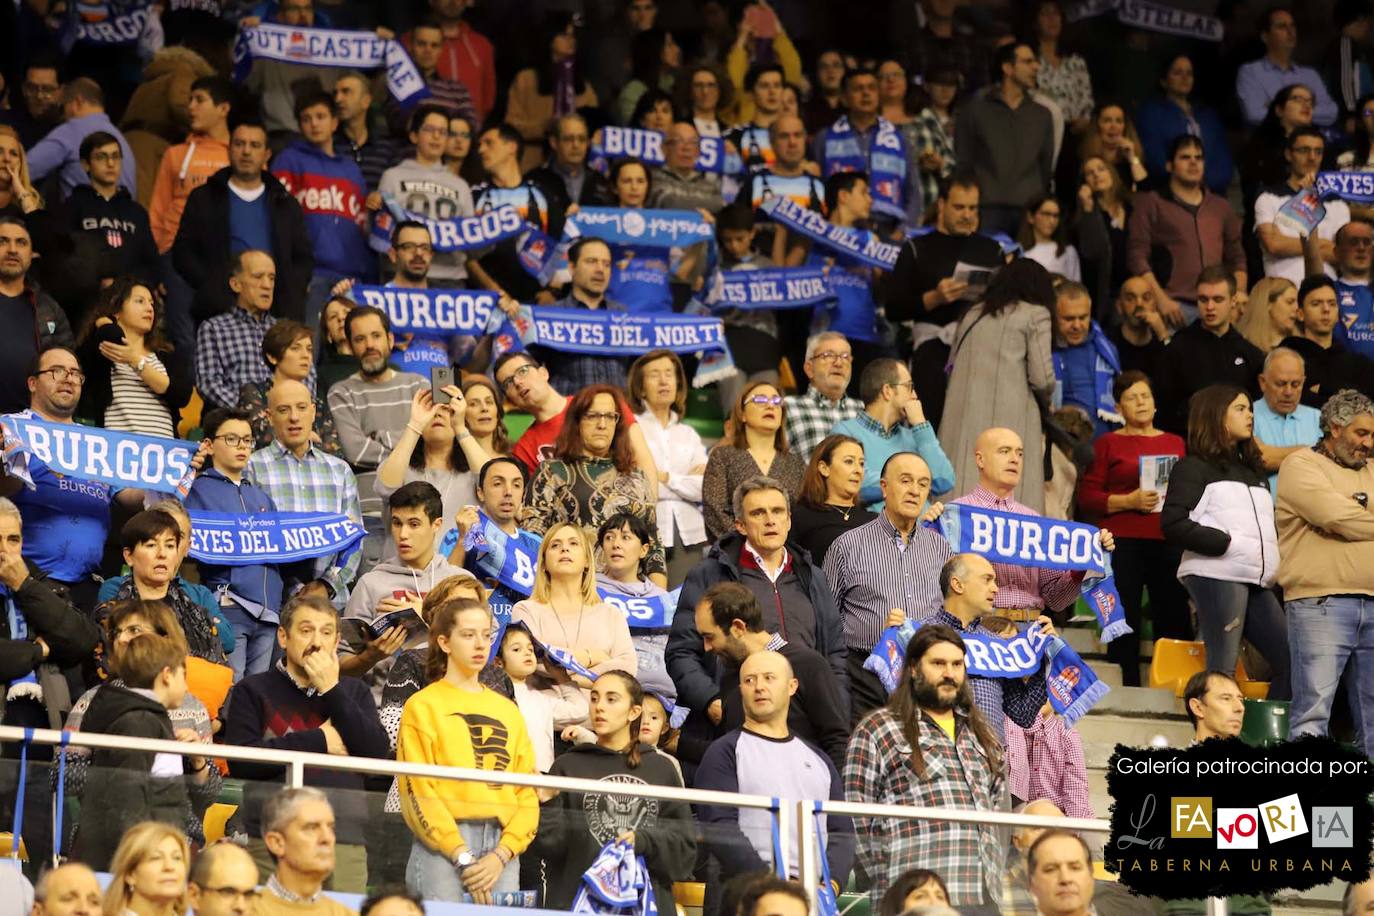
{"x": 1325, "y": 535}
{"x": 485, "y": 731}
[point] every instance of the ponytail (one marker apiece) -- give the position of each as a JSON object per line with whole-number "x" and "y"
{"x": 633, "y": 754}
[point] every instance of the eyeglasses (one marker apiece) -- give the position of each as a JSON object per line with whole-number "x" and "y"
{"x": 1302, "y": 99}
{"x": 420, "y": 247}
{"x": 592, "y": 416}
{"x": 772, "y": 400}
{"x": 132, "y": 630}
{"x": 516, "y": 376}
{"x": 457, "y": 134}
{"x": 62, "y": 373}
{"x": 234, "y": 441}
{"x": 833, "y": 356}
{"x": 115, "y": 156}
{"x": 433, "y": 130}
{"x": 1358, "y": 241}
{"x": 41, "y": 91}
{"x": 227, "y": 893}
{"x": 905, "y": 384}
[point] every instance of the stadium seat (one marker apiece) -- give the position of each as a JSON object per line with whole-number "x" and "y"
{"x": 516, "y": 424}
{"x": 689, "y": 896}
{"x": 190, "y": 415}
{"x": 216, "y": 816}
{"x": 1266, "y": 722}
{"x": 7, "y": 847}
{"x": 1174, "y": 661}
{"x": 855, "y": 905}
{"x": 1253, "y": 690}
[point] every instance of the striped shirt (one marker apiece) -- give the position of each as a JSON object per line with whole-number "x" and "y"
{"x": 133, "y": 406}
{"x": 370, "y": 417}
{"x": 872, "y": 570}
{"x": 1025, "y": 586}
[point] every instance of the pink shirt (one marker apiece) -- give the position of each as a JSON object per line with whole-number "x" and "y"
{"x": 1025, "y": 586}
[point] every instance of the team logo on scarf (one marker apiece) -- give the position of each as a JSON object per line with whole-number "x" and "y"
{"x": 1153, "y": 17}
{"x": 644, "y": 228}
{"x": 468, "y": 233}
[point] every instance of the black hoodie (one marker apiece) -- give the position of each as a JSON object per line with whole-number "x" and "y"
{"x": 116, "y": 232}
{"x": 573, "y": 828}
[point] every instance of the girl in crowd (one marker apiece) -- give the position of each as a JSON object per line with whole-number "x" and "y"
{"x": 755, "y": 443}
{"x": 565, "y": 611}
{"x": 485, "y": 416}
{"x": 1270, "y": 314}
{"x": 1042, "y": 238}
{"x": 709, "y": 94}
{"x": 827, "y": 504}
{"x": 148, "y": 873}
{"x": 624, "y": 543}
{"x": 289, "y": 349}
{"x": 335, "y": 361}
{"x": 574, "y": 827}
{"x": 547, "y": 712}
{"x": 1174, "y": 113}
{"x": 919, "y": 887}
{"x": 1114, "y": 140}
{"x": 1099, "y": 232}
{"x": 894, "y": 99}
{"x": 592, "y": 475}
{"x": 1218, "y": 510}
{"x": 468, "y": 835}
{"x": 556, "y": 87}
{"x": 654, "y": 111}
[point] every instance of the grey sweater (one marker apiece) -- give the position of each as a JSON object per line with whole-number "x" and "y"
{"x": 370, "y": 417}
{"x": 1011, "y": 151}
{"x": 435, "y": 193}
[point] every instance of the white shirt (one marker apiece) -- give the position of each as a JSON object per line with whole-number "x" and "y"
{"x": 677, "y": 449}
{"x": 1065, "y": 264}
{"x": 1291, "y": 268}
{"x": 547, "y": 711}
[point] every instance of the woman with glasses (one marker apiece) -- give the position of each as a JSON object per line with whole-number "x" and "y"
{"x": 1263, "y": 163}
{"x": 592, "y": 475}
{"x": 755, "y": 443}
{"x": 708, "y": 95}
{"x": 1042, "y": 238}
{"x": 288, "y": 347}
{"x": 558, "y": 86}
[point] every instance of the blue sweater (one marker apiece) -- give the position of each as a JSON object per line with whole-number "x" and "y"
{"x": 331, "y": 191}
{"x": 880, "y": 445}
{"x": 1159, "y": 121}
{"x": 257, "y": 588}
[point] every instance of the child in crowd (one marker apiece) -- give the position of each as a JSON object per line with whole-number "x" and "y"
{"x": 554, "y": 708}
{"x": 624, "y": 541}
{"x": 656, "y": 730}
{"x": 751, "y": 333}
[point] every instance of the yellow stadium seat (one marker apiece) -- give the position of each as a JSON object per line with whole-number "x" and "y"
{"x": 689, "y": 893}
{"x": 1254, "y": 690}
{"x": 1174, "y": 661}
{"x": 7, "y": 847}
{"x": 190, "y": 415}
{"x": 216, "y": 816}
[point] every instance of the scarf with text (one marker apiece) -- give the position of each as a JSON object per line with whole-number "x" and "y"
{"x": 885, "y": 163}
{"x": 1072, "y": 686}
{"x": 612, "y": 143}
{"x": 537, "y": 253}
{"x": 1106, "y": 367}
{"x": 1044, "y": 543}
{"x": 617, "y": 882}
{"x": 230, "y": 539}
{"x": 121, "y": 460}
{"x": 640, "y": 228}
{"x": 770, "y": 288}
{"x": 438, "y": 313}
{"x": 107, "y": 22}
{"x": 859, "y": 245}
{"x": 352, "y": 50}
{"x": 1153, "y": 17}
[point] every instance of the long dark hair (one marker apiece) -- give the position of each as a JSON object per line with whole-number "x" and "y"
{"x": 894, "y": 901}
{"x": 556, "y": 22}
{"x": 442, "y": 624}
{"x": 500, "y": 437}
{"x": 1362, "y": 138}
{"x": 1023, "y": 280}
{"x": 1207, "y": 436}
{"x": 1027, "y": 234}
{"x": 646, "y": 56}
{"x": 569, "y": 445}
{"x": 906, "y": 709}
{"x": 813, "y": 490}
{"x": 111, "y": 303}
{"x": 633, "y": 754}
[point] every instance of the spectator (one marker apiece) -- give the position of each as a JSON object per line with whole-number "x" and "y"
{"x": 416, "y": 514}
{"x": 468, "y": 835}
{"x": 18, "y": 193}
{"x": 767, "y": 895}
{"x": 793, "y": 175}
{"x": 486, "y": 418}
{"x": 288, "y": 348}
{"x": 1099, "y": 231}
{"x": 1207, "y": 352}
{"x": 355, "y": 137}
{"x": 1215, "y": 705}
{"x": 554, "y": 87}
{"x": 763, "y": 85}
{"x": 640, "y": 279}
{"x": 299, "y": 831}
{"x": 653, "y": 111}
{"x": 1354, "y": 252}
{"x": 1174, "y": 113}
{"x": 593, "y": 273}
{"x": 567, "y": 166}
{"x": 677, "y": 184}
{"x": 655, "y": 57}
{"x": 1330, "y": 365}
{"x": 662, "y": 832}
{"x": 854, "y": 310}
{"x": 624, "y": 542}
{"x": 1141, "y": 333}
{"x": 392, "y": 900}
{"x": 501, "y": 485}
{"x": 500, "y": 269}
{"x": 1322, "y": 534}
{"x": 134, "y": 888}
{"x": 657, "y": 389}
{"x": 932, "y": 131}
{"x": 107, "y": 224}
{"x": 1007, "y": 174}
{"x": 914, "y": 888}
{"x": 1063, "y": 77}
{"x": 426, "y": 46}
{"x": 467, "y": 57}
{"x": 730, "y": 620}
{"x": 766, "y": 752}
{"x": 71, "y": 889}
{"x": 1358, "y": 157}
{"x": 810, "y": 416}
{"x": 935, "y": 690}
{"x": 755, "y": 442}
{"x": 1085, "y": 361}
{"x": 1272, "y": 316}
{"x": 369, "y": 409}
{"x": 822, "y": 107}
{"x": 83, "y": 113}
{"x": 1282, "y": 250}
{"x": 828, "y": 501}
{"x": 1219, "y": 511}
{"x": 301, "y": 476}
{"x": 895, "y": 101}
{"x": 274, "y": 82}
{"x": 930, "y": 36}
{"x": 864, "y": 141}
{"x": 334, "y": 361}
{"x": 1263, "y": 163}
{"x": 924, "y": 289}
{"x": 229, "y": 347}
{"x": 223, "y": 881}
{"x": 1003, "y": 374}
{"x": 331, "y": 191}
{"x": 751, "y": 334}
{"x": 1283, "y": 425}
{"x": 238, "y": 209}
{"x": 1042, "y": 238}
{"x": 1260, "y": 80}
{"x": 1113, "y": 493}
{"x": 1045, "y": 761}
{"x": 1060, "y": 870}
{"x": 1114, "y": 140}
{"x": 709, "y": 95}
{"x": 41, "y": 90}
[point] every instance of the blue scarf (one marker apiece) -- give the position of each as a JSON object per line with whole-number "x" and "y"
{"x": 612, "y": 143}
{"x": 122, "y": 460}
{"x": 26, "y": 685}
{"x": 230, "y": 539}
{"x": 858, "y": 244}
{"x": 350, "y": 50}
{"x": 1045, "y": 543}
{"x": 468, "y": 233}
{"x": 1356, "y": 186}
{"x": 436, "y": 313}
{"x": 644, "y": 612}
{"x": 617, "y": 882}
{"x": 640, "y": 228}
{"x": 105, "y": 22}
{"x": 1106, "y": 367}
{"x": 1072, "y": 686}
{"x": 771, "y": 288}
{"x": 885, "y": 163}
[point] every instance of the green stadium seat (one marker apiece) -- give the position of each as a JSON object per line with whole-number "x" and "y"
{"x": 1266, "y": 722}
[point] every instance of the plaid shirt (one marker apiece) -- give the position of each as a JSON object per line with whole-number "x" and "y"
{"x": 1046, "y": 761}
{"x": 929, "y": 133}
{"x": 999, "y": 698}
{"x": 878, "y": 770}
{"x": 810, "y": 417}
{"x": 229, "y": 356}
{"x": 1025, "y": 586}
{"x": 316, "y": 483}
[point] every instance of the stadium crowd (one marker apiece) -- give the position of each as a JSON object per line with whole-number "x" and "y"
{"x": 1008, "y": 259}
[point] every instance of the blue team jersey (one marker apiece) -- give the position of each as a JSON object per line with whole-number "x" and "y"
{"x": 66, "y": 521}
{"x": 1355, "y": 328}
{"x": 853, "y": 312}
{"x": 639, "y": 280}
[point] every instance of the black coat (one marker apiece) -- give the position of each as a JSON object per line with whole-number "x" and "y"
{"x": 48, "y": 610}
{"x": 201, "y": 250}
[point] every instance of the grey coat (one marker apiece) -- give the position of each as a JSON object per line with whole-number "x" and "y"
{"x": 1002, "y": 366}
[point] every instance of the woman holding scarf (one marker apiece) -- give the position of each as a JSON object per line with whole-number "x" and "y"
{"x": 827, "y": 503}
{"x": 642, "y": 279}
{"x": 541, "y": 94}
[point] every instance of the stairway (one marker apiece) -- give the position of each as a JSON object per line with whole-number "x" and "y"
{"x": 1136, "y": 716}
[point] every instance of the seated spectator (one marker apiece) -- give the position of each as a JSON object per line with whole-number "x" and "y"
{"x": 1330, "y": 365}
{"x": 547, "y": 711}
{"x": 592, "y": 474}
{"x": 1304, "y": 150}
{"x": 575, "y": 826}
{"x": 655, "y": 57}
{"x": 1141, "y": 333}
{"x": 566, "y": 169}
{"x": 222, "y": 879}
{"x": 828, "y": 367}
{"x": 304, "y": 703}
{"x": 827, "y": 503}
{"x": 556, "y": 86}
{"x": 565, "y": 611}
{"x": 677, "y": 184}
{"x": 1283, "y": 424}
{"x": 1260, "y": 80}
{"x": 288, "y": 348}
{"x": 1060, "y": 872}
{"x": 298, "y": 830}
{"x": 624, "y": 543}
{"x": 918, "y": 887}
{"x": 25, "y": 305}
{"x": 392, "y": 900}
{"x": 1042, "y": 238}
{"x": 71, "y": 889}
{"x": 755, "y": 442}
{"x": 83, "y": 113}
{"x": 1175, "y": 112}
{"x": 468, "y": 835}
{"x": 656, "y": 729}
{"x": 108, "y": 226}
{"x": 1271, "y": 313}
{"x": 136, "y": 889}
{"x": 334, "y": 360}
{"x": 893, "y": 421}
{"x": 229, "y": 347}
{"x": 1085, "y": 361}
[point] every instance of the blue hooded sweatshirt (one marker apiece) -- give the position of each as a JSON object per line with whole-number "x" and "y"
{"x": 257, "y": 589}
{"x": 332, "y": 192}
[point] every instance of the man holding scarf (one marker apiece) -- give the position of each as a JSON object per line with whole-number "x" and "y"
{"x": 501, "y": 484}
{"x": 1085, "y": 361}
{"x": 862, "y": 141}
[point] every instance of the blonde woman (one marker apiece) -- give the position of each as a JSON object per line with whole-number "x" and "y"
{"x": 1271, "y": 314}
{"x": 16, "y": 187}
{"x": 148, "y": 872}
{"x": 565, "y": 611}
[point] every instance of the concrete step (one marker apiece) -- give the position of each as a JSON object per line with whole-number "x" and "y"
{"x": 1106, "y": 731}
{"x": 1110, "y": 674}
{"x": 1140, "y": 703}
{"x": 1083, "y": 640}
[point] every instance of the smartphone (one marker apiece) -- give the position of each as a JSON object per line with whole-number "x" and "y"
{"x": 440, "y": 377}
{"x": 763, "y": 22}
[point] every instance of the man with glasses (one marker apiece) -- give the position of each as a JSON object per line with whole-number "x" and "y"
{"x": 1260, "y": 80}
{"x": 810, "y": 416}
{"x": 1354, "y": 256}
{"x": 1281, "y": 248}
{"x": 677, "y": 185}
{"x": 33, "y": 320}
{"x": 41, "y": 90}
{"x": 566, "y": 171}
{"x": 229, "y": 346}
{"x": 83, "y": 112}
{"x": 110, "y": 229}
{"x": 223, "y": 881}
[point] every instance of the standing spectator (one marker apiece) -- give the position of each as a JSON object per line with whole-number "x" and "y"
{"x": 638, "y": 278}
{"x": 1141, "y": 333}
{"x": 1112, "y": 495}
{"x": 237, "y": 209}
{"x": 793, "y": 175}
{"x": 106, "y": 217}
{"x": 288, "y": 349}
{"x": 1207, "y": 352}
{"x": 1045, "y": 761}
{"x": 1282, "y": 250}
{"x": 1003, "y": 374}
{"x": 467, "y": 56}
{"x": 299, "y": 832}
{"x": 1330, "y": 365}
{"x": 677, "y": 185}
{"x": 590, "y": 260}
{"x": 41, "y": 88}
{"x": 810, "y": 416}
{"x": 148, "y": 871}
{"x": 1262, "y": 159}
{"x": 1354, "y": 252}
{"x": 499, "y": 269}
{"x": 1260, "y": 80}
{"x": 331, "y": 191}
{"x": 751, "y": 334}
{"x": 892, "y": 421}
{"x": 930, "y": 36}
{"x": 356, "y": 137}
{"x": 755, "y": 443}
{"x": 1347, "y": 67}
{"x": 930, "y": 745}
{"x": 655, "y": 57}
{"x": 823, "y": 106}
{"x": 932, "y": 132}
{"x": 854, "y": 312}
{"x": 763, "y": 83}
{"x": 1324, "y": 533}
{"x": 1219, "y": 511}
{"x": 303, "y": 703}
{"x": 1063, "y": 77}
{"x": 567, "y": 167}
{"x": 1008, "y": 173}
{"x": 751, "y": 50}
{"x": 1283, "y": 424}
{"x": 1114, "y": 140}
{"x": 501, "y": 485}
{"x": 708, "y": 96}
{"x": 1042, "y": 238}
{"x": 1191, "y": 225}
{"x": 1173, "y": 113}
{"x": 426, "y": 46}
{"x": 1099, "y": 231}
{"x": 229, "y": 347}
{"x": 335, "y": 360}
{"x": 83, "y": 113}
{"x": 828, "y": 501}
{"x": 274, "y": 82}
{"x": 553, "y": 88}
{"x": 1271, "y": 313}
{"x": 863, "y": 141}
{"x": 1085, "y": 361}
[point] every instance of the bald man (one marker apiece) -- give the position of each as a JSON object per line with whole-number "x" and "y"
{"x": 1283, "y": 424}
{"x": 223, "y": 881}
{"x": 677, "y": 185}
{"x": 301, "y": 477}
{"x": 68, "y": 890}
{"x": 764, "y": 756}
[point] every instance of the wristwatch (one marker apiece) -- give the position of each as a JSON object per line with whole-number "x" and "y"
{"x": 464, "y": 858}
{"x": 139, "y": 366}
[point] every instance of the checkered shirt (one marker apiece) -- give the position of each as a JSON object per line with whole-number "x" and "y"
{"x": 1046, "y": 761}
{"x": 229, "y": 356}
{"x": 810, "y": 417}
{"x": 999, "y": 698}
{"x": 1025, "y": 586}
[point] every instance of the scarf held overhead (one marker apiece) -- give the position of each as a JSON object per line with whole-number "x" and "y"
{"x": 230, "y": 539}
{"x": 642, "y": 228}
{"x": 770, "y": 288}
{"x": 859, "y": 244}
{"x": 351, "y": 50}
{"x": 468, "y": 233}
{"x": 885, "y": 163}
{"x": 612, "y": 143}
{"x": 122, "y": 460}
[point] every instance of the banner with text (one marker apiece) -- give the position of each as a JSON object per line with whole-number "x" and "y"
{"x": 643, "y": 228}
{"x": 858, "y": 244}
{"x": 122, "y": 460}
{"x": 770, "y": 288}
{"x": 230, "y": 539}
{"x": 612, "y": 143}
{"x": 352, "y": 50}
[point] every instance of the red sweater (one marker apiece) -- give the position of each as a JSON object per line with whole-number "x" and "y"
{"x": 1115, "y": 471}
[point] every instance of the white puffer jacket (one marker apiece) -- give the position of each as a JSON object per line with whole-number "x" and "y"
{"x": 1223, "y": 517}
